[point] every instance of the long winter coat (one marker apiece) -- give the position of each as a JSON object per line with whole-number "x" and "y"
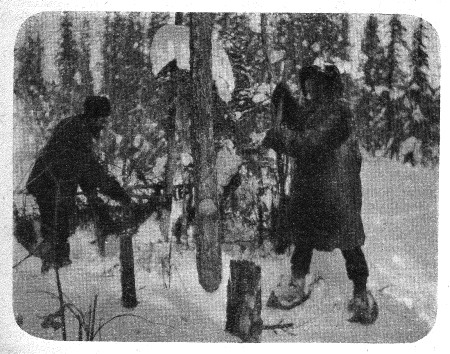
{"x": 68, "y": 161}
{"x": 324, "y": 210}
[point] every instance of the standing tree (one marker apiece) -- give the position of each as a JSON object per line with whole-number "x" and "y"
{"x": 343, "y": 54}
{"x": 369, "y": 108}
{"x": 31, "y": 124}
{"x": 124, "y": 67}
{"x": 67, "y": 61}
{"x": 344, "y": 39}
{"x": 424, "y": 123}
{"x": 396, "y": 113}
{"x": 84, "y": 60}
{"x": 209, "y": 258}
{"x": 29, "y": 84}
{"x": 170, "y": 130}
{"x": 371, "y": 46}
{"x": 289, "y": 29}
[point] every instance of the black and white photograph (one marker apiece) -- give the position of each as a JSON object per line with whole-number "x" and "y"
{"x": 225, "y": 177}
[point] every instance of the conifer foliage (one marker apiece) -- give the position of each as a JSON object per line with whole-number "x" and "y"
{"x": 29, "y": 85}
{"x": 394, "y": 99}
{"x": 67, "y": 61}
{"x": 396, "y": 107}
{"x": 423, "y": 122}
{"x": 369, "y": 108}
{"x": 84, "y": 60}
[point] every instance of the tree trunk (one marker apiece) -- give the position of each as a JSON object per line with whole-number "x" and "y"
{"x": 127, "y": 272}
{"x": 265, "y": 47}
{"x": 171, "y": 163}
{"x": 169, "y": 174}
{"x": 279, "y": 230}
{"x": 244, "y": 301}
{"x": 209, "y": 259}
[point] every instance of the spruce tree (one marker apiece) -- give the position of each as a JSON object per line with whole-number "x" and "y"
{"x": 342, "y": 54}
{"x": 133, "y": 59}
{"x": 67, "y": 59}
{"x": 87, "y": 81}
{"x": 344, "y": 37}
{"x": 423, "y": 122}
{"x": 369, "y": 110}
{"x": 107, "y": 56}
{"x": 29, "y": 84}
{"x": 373, "y": 67}
{"x": 396, "y": 112}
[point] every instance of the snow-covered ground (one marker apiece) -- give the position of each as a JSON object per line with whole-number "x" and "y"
{"x": 400, "y": 217}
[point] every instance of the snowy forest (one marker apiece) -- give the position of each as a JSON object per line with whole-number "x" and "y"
{"x": 166, "y": 137}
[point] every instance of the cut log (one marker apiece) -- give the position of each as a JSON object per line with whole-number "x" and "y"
{"x": 244, "y": 301}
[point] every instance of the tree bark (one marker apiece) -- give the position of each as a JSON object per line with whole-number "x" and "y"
{"x": 244, "y": 301}
{"x": 265, "y": 46}
{"x": 169, "y": 172}
{"x": 172, "y": 153}
{"x": 209, "y": 260}
{"x": 284, "y": 162}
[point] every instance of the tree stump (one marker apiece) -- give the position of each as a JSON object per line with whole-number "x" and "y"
{"x": 244, "y": 301}
{"x": 127, "y": 277}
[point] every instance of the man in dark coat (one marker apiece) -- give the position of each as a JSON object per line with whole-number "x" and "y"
{"x": 66, "y": 162}
{"x": 324, "y": 211}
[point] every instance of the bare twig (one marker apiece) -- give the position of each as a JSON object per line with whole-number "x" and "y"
{"x": 55, "y": 296}
{"x": 22, "y": 260}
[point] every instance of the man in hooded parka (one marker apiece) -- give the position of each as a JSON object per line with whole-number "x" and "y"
{"x": 67, "y": 161}
{"x": 324, "y": 210}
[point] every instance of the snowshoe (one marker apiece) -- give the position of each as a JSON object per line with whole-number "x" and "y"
{"x": 293, "y": 297}
{"x": 364, "y": 308}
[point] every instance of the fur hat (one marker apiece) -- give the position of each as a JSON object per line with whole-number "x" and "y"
{"x": 97, "y": 106}
{"x": 327, "y": 76}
